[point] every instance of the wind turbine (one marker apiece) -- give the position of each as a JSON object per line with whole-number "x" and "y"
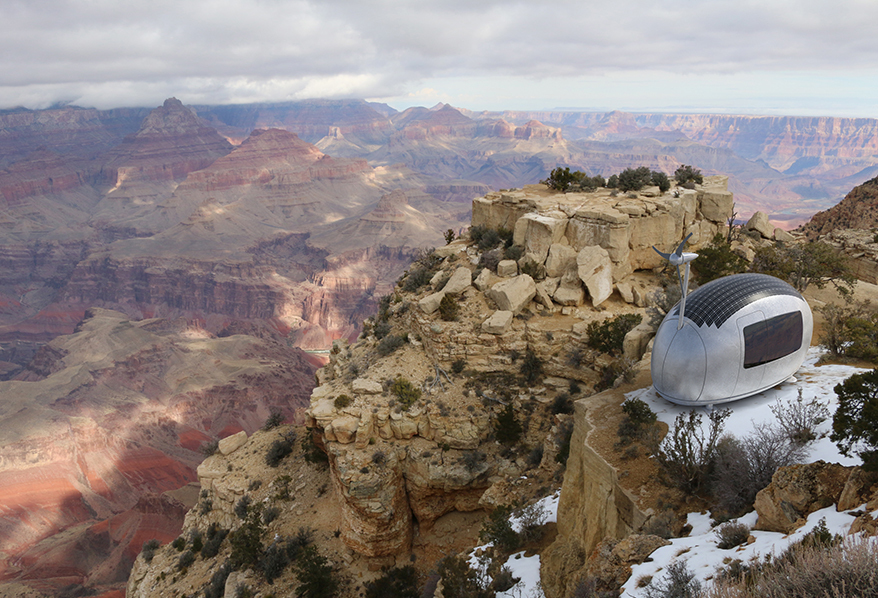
{"x": 679, "y": 258}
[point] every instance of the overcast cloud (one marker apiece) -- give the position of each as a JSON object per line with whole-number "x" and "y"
{"x": 794, "y": 57}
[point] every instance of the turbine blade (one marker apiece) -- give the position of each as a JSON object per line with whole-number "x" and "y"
{"x": 667, "y": 256}
{"x": 682, "y": 244}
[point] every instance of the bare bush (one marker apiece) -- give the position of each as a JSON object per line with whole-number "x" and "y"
{"x": 732, "y": 534}
{"x": 744, "y": 467}
{"x": 848, "y": 569}
{"x": 687, "y": 453}
{"x": 679, "y": 582}
{"x": 800, "y": 418}
{"x": 530, "y": 520}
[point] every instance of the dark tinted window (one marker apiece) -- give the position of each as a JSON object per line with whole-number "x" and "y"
{"x": 772, "y": 339}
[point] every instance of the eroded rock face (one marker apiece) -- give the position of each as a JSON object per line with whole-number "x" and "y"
{"x": 797, "y": 491}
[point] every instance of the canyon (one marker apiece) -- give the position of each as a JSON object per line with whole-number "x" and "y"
{"x": 208, "y": 246}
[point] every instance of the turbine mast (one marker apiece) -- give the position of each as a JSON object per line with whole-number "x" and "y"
{"x": 678, "y": 258}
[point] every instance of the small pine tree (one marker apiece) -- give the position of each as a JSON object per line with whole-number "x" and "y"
{"x": 507, "y": 428}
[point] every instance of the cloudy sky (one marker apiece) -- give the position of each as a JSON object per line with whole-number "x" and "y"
{"x": 798, "y": 57}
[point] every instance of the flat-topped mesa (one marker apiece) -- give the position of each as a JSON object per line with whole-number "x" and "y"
{"x": 626, "y": 226}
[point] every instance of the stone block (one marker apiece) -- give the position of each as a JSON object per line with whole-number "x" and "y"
{"x": 596, "y": 271}
{"x": 603, "y": 226}
{"x": 230, "y": 444}
{"x": 345, "y": 428}
{"x": 759, "y": 222}
{"x": 507, "y": 268}
{"x": 513, "y": 294}
{"x": 626, "y": 291}
{"x": 537, "y": 232}
{"x": 716, "y": 206}
{"x": 498, "y": 323}
{"x": 635, "y": 342}
{"x": 366, "y": 386}
{"x": 431, "y": 302}
{"x": 484, "y": 280}
{"x": 459, "y": 281}
{"x": 783, "y": 236}
{"x": 560, "y": 259}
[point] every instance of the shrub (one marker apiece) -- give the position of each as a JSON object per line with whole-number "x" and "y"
{"x": 149, "y": 548}
{"x": 214, "y": 539}
{"x": 853, "y": 425}
{"x": 802, "y": 265}
{"x": 489, "y": 260}
{"x": 489, "y": 239}
{"x": 563, "y": 403}
{"x": 621, "y": 370}
{"x": 458, "y": 365}
{"x": 565, "y": 433}
{"x": 638, "y": 419}
{"x": 506, "y": 427}
{"x": 449, "y": 236}
{"x": 417, "y": 278}
{"x": 316, "y": 578}
{"x": 732, "y": 534}
{"x": 312, "y": 452}
{"x": 634, "y": 179}
{"x": 679, "y": 582}
{"x": 197, "y": 540}
{"x": 210, "y": 448}
{"x": 613, "y": 181}
{"x": 717, "y": 260}
{"x": 846, "y": 569}
{"x": 850, "y": 331}
{"x": 275, "y": 419}
{"x": 280, "y": 449}
{"x": 342, "y": 401}
{"x": 389, "y": 344}
{"x": 799, "y": 419}
{"x": 661, "y": 180}
{"x": 460, "y": 581}
{"x": 274, "y": 560}
{"x": 472, "y": 460}
{"x": 216, "y": 587}
{"x": 186, "y": 559}
{"x": 269, "y": 514}
{"x": 448, "y": 308}
{"x": 560, "y": 179}
{"x": 513, "y": 252}
{"x": 687, "y": 453}
{"x": 399, "y": 582}
{"x": 535, "y": 456}
{"x": 686, "y": 174}
{"x": 498, "y": 530}
{"x": 530, "y": 520}
{"x": 531, "y": 367}
{"x": 242, "y": 507}
{"x": 382, "y": 329}
{"x": 405, "y": 391}
{"x": 607, "y": 336}
{"x": 179, "y": 543}
{"x": 246, "y": 543}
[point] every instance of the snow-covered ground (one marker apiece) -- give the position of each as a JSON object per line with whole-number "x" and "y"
{"x": 699, "y": 548}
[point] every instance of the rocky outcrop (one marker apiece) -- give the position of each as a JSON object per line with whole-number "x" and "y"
{"x": 597, "y": 239}
{"x": 798, "y": 490}
{"x": 593, "y": 507}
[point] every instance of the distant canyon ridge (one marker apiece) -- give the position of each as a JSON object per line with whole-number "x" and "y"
{"x": 162, "y": 271}
{"x": 300, "y": 215}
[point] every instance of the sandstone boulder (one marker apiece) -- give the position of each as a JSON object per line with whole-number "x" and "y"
{"x": 430, "y": 303}
{"x": 537, "y": 232}
{"x": 635, "y": 342}
{"x": 366, "y": 386}
{"x": 345, "y": 428}
{"x": 498, "y": 323}
{"x": 797, "y": 491}
{"x": 459, "y": 281}
{"x": 513, "y": 294}
{"x": 596, "y": 272}
{"x": 626, "y": 292}
{"x": 759, "y": 223}
{"x": 543, "y": 296}
{"x": 507, "y": 268}
{"x": 569, "y": 291}
{"x": 783, "y": 236}
{"x": 601, "y": 225}
{"x": 230, "y": 444}
{"x": 717, "y": 205}
{"x": 560, "y": 259}
{"x": 484, "y": 280}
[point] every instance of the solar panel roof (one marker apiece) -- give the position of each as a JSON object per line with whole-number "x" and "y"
{"x": 715, "y": 302}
